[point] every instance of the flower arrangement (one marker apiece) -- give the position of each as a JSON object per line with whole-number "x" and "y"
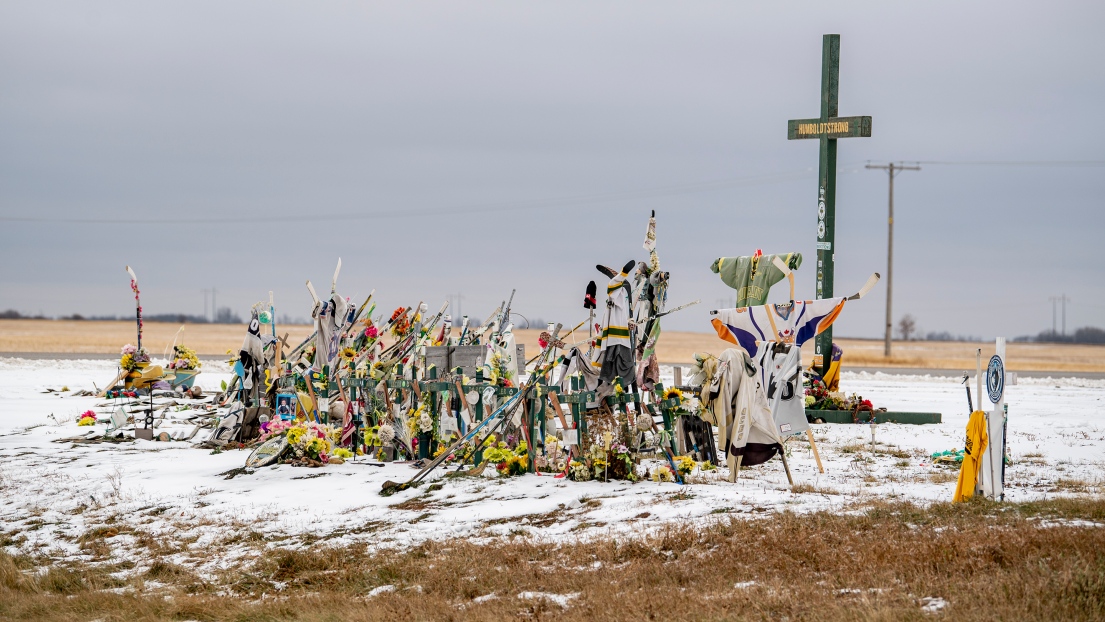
{"x": 132, "y": 357}
{"x": 310, "y": 442}
{"x": 554, "y": 459}
{"x": 400, "y": 324}
{"x": 500, "y": 371}
{"x": 275, "y": 427}
{"x": 184, "y": 358}
{"x": 663, "y": 473}
{"x": 514, "y": 465}
{"x": 674, "y": 393}
{"x": 87, "y": 418}
{"x": 372, "y": 436}
{"x": 819, "y": 398}
{"x": 371, "y": 331}
{"x": 604, "y": 465}
{"x": 819, "y": 394}
{"x": 507, "y": 461}
{"x": 579, "y": 471}
{"x": 685, "y": 465}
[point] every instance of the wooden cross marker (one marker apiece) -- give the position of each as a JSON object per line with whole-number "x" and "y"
{"x": 827, "y": 128}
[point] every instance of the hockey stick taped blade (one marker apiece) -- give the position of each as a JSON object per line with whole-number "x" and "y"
{"x": 867, "y": 287}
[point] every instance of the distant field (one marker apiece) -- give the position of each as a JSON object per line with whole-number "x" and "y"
{"x": 68, "y": 336}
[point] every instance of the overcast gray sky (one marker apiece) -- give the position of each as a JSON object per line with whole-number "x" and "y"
{"x": 480, "y": 146}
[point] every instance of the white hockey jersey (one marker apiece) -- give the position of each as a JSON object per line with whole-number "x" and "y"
{"x": 794, "y": 322}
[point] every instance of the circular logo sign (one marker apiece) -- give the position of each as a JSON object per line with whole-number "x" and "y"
{"x": 995, "y": 378}
{"x": 821, "y": 229}
{"x": 821, "y": 210}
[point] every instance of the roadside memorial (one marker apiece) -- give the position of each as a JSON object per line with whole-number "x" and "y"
{"x": 409, "y": 386}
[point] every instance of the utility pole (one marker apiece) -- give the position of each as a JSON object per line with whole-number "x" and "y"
{"x": 892, "y": 169}
{"x": 205, "y": 304}
{"x": 1065, "y": 301}
{"x": 1054, "y": 314}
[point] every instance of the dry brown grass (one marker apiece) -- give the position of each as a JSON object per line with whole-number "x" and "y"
{"x": 83, "y": 337}
{"x": 675, "y": 347}
{"x": 987, "y": 561}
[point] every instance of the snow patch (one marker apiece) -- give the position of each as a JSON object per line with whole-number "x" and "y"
{"x": 560, "y": 599}
{"x": 933, "y": 604}
{"x": 383, "y": 589}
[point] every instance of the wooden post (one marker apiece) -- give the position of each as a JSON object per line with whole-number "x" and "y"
{"x": 786, "y": 467}
{"x": 816, "y": 454}
{"x": 827, "y": 128}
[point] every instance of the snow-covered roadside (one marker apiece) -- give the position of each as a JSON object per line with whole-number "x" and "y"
{"x": 55, "y": 492}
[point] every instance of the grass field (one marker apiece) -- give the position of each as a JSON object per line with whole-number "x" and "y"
{"x": 69, "y": 336}
{"x": 973, "y": 561}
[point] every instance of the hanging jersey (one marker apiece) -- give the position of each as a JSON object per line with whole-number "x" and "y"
{"x": 743, "y": 418}
{"x": 975, "y": 445}
{"x": 615, "y": 358}
{"x": 780, "y": 371}
{"x": 328, "y": 326}
{"x": 794, "y": 322}
{"x": 615, "y": 321}
{"x": 752, "y": 277}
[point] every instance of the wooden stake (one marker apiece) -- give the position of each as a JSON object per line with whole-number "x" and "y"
{"x": 121, "y": 375}
{"x": 816, "y": 454}
{"x": 786, "y": 467}
{"x": 314, "y": 400}
{"x": 467, "y": 406}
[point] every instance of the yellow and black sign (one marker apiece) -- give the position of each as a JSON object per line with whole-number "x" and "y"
{"x": 836, "y": 127}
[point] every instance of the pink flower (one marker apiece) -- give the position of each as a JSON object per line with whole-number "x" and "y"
{"x": 371, "y": 332}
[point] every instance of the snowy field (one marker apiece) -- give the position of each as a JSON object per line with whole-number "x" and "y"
{"x": 55, "y": 490}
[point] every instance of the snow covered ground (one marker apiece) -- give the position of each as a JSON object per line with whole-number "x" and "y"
{"x": 54, "y": 490}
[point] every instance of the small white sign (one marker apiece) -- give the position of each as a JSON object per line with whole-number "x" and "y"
{"x": 824, "y": 246}
{"x": 571, "y": 437}
{"x": 118, "y": 418}
{"x": 786, "y": 427}
{"x": 448, "y": 426}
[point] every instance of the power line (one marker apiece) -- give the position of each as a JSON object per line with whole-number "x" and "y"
{"x": 1048, "y": 163}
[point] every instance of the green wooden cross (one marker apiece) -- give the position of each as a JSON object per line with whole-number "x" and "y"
{"x": 827, "y": 128}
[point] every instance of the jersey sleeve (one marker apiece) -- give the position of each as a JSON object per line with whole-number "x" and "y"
{"x": 737, "y": 326}
{"x": 817, "y": 315}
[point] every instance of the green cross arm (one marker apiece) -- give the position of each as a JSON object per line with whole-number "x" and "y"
{"x": 834, "y": 127}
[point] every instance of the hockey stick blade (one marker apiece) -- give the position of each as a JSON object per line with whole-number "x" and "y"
{"x": 314, "y": 297}
{"x": 334, "y": 282}
{"x": 867, "y": 287}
